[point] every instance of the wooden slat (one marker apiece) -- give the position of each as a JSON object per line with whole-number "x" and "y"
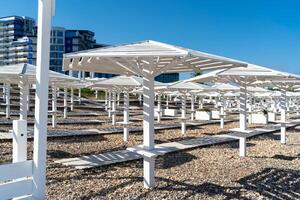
{"x": 15, "y": 170}
{"x": 16, "y": 188}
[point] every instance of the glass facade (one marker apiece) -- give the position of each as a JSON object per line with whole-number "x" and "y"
{"x": 167, "y": 77}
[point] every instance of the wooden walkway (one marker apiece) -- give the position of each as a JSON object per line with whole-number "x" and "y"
{"x": 128, "y": 155}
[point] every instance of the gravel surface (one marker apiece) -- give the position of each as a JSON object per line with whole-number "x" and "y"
{"x": 271, "y": 170}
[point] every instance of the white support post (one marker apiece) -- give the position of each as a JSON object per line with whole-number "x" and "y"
{"x": 126, "y": 116}
{"x": 192, "y": 107}
{"x": 19, "y": 140}
{"x": 148, "y": 126}
{"x": 183, "y": 114}
{"x": 283, "y": 116}
{"x": 200, "y": 103}
{"x": 158, "y": 107}
{"x": 140, "y": 99}
{"x": 45, "y": 11}
{"x": 79, "y": 96}
{"x": 54, "y": 106}
{"x": 222, "y": 101}
{"x": 106, "y": 100}
{"x": 28, "y": 99}
{"x": 167, "y": 102}
{"x": 96, "y": 94}
{"x": 118, "y": 98}
{"x": 72, "y": 99}
{"x": 109, "y": 104}
{"x": 24, "y": 90}
{"x": 243, "y": 105}
{"x": 3, "y": 91}
{"x": 113, "y": 115}
{"x": 65, "y": 103}
{"x": 7, "y": 101}
{"x": 242, "y": 144}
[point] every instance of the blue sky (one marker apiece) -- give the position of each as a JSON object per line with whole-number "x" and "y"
{"x": 264, "y": 32}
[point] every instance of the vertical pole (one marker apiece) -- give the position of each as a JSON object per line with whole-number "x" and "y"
{"x": 54, "y": 106}
{"x": 158, "y": 107}
{"x": 192, "y": 107}
{"x": 113, "y": 116}
{"x": 3, "y": 91}
{"x": 109, "y": 104}
{"x": 222, "y": 101}
{"x": 7, "y": 96}
{"x": 23, "y": 98}
{"x": 19, "y": 140}
{"x": 126, "y": 116}
{"x": 167, "y": 103}
{"x": 106, "y": 100}
{"x": 118, "y": 98}
{"x": 45, "y": 11}
{"x": 183, "y": 113}
{"x": 79, "y": 95}
{"x": 283, "y": 116}
{"x": 72, "y": 99}
{"x": 148, "y": 125}
{"x": 96, "y": 94}
{"x": 243, "y": 105}
{"x": 242, "y": 144}
{"x": 250, "y": 109}
{"x": 65, "y": 103}
{"x": 28, "y": 99}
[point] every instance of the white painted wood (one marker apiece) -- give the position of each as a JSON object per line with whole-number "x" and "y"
{"x": 15, "y": 170}
{"x": 259, "y": 118}
{"x": 24, "y": 91}
{"x": 183, "y": 114}
{"x": 170, "y": 112}
{"x": 41, "y": 98}
{"x": 148, "y": 125}
{"x": 242, "y": 144}
{"x": 113, "y": 115}
{"x": 203, "y": 115}
{"x": 222, "y": 100}
{"x": 96, "y": 94}
{"x": 19, "y": 135}
{"x": 126, "y": 116}
{"x": 109, "y": 103}
{"x": 54, "y": 106}
{"x": 79, "y": 95}
{"x": 16, "y": 188}
{"x": 243, "y": 105}
{"x": 106, "y": 100}
{"x": 65, "y": 103}
{"x": 72, "y": 99}
{"x": 283, "y": 116}
{"x": 192, "y": 107}
{"x": 158, "y": 107}
{"x": 7, "y": 100}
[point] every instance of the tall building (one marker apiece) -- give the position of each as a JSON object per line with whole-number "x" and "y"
{"x": 57, "y": 48}
{"x": 78, "y": 40}
{"x": 167, "y": 77}
{"x": 17, "y": 40}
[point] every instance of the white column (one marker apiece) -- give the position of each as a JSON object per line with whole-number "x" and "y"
{"x": 19, "y": 140}
{"x": 28, "y": 99}
{"x": 222, "y": 101}
{"x": 106, "y": 100}
{"x": 283, "y": 116}
{"x": 72, "y": 99}
{"x": 109, "y": 104}
{"x": 250, "y": 109}
{"x": 243, "y": 105}
{"x": 54, "y": 106}
{"x": 24, "y": 90}
{"x": 79, "y": 95}
{"x": 200, "y": 103}
{"x": 183, "y": 114}
{"x": 113, "y": 116}
{"x": 96, "y": 94}
{"x": 118, "y": 98}
{"x": 158, "y": 107}
{"x": 7, "y": 101}
{"x": 192, "y": 107}
{"x": 41, "y": 98}
{"x": 242, "y": 143}
{"x": 126, "y": 116}
{"x": 148, "y": 128}
{"x": 3, "y": 92}
{"x": 65, "y": 103}
{"x": 167, "y": 103}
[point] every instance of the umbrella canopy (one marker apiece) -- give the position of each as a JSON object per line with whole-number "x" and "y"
{"x": 130, "y": 58}
{"x": 16, "y": 73}
{"x": 184, "y": 86}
